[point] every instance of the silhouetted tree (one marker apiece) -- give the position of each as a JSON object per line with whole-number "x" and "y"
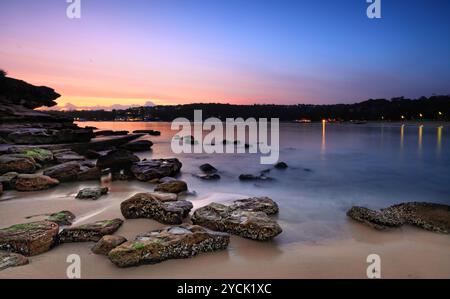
{"x": 3, "y": 73}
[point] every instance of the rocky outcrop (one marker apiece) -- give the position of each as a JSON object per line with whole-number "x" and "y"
{"x": 34, "y": 182}
{"x": 162, "y": 207}
{"x": 29, "y": 238}
{"x": 175, "y": 186}
{"x": 17, "y": 163}
{"x": 20, "y": 124}
{"x": 138, "y": 146}
{"x": 429, "y": 216}
{"x": 65, "y": 172}
{"x": 247, "y": 218}
{"x": 117, "y": 160}
{"x": 40, "y": 155}
{"x": 10, "y": 259}
{"x": 172, "y": 242}
{"x": 91, "y": 232}
{"x": 156, "y": 169}
{"x": 107, "y": 243}
{"x": 110, "y": 133}
{"x": 92, "y": 193}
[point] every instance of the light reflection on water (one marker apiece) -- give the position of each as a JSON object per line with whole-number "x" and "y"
{"x": 331, "y": 167}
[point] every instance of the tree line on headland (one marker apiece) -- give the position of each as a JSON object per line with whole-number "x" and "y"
{"x": 396, "y": 109}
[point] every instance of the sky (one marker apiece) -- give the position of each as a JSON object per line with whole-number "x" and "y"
{"x": 141, "y": 52}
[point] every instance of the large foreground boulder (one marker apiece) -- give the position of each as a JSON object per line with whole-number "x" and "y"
{"x": 17, "y": 163}
{"x": 162, "y": 207}
{"x": 247, "y": 218}
{"x": 172, "y": 242}
{"x": 34, "y": 182}
{"x": 10, "y": 259}
{"x": 429, "y": 216}
{"x": 156, "y": 169}
{"x": 29, "y": 238}
{"x": 91, "y": 232}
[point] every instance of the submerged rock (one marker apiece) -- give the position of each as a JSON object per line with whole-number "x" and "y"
{"x": 62, "y": 218}
{"x": 10, "y": 259}
{"x": 93, "y": 193}
{"x": 162, "y": 207}
{"x": 117, "y": 160}
{"x": 90, "y": 232}
{"x": 281, "y": 165}
{"x": 156, "y": 169}
{"x": 34, "y": 182}
{"x": 138, "y": 146}
{"x": 246, "y": 218}
{"x": 172, "y": 242}
{"x": 429, "y": 216}
{"x": 29, "y": 238}
{"x": 107, "y": 243}
{"x": 208, "y": 176}
{"x": 208, "y": 168}
{"x": 17, "y": 163}
{"x": 172, "y": 187}
{"x": 251, "y": 177}
{"x": 65, "y": 172}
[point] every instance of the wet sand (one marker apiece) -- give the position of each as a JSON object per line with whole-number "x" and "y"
{"x": 405, "y": 253}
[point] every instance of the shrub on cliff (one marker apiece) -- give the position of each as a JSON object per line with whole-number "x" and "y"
{"x": 3, "y": 73}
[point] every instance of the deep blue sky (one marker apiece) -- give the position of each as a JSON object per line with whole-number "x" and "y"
{"x": 247, "y": 51}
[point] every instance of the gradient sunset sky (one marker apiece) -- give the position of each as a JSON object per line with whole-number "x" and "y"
{"x": 246, "y": 51}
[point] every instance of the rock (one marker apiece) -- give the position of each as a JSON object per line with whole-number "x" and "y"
{"x": 68, "y": 156}
{"x": 107, "y": 243}
{"x": 17, "y": 163}
{"x": 375, "y": 219}
{"x": 247, "y": 224}
{"x": 9, "y": 259}
{"x": 429, "y": 216}
{"x": 49, "y": 136}
{"x": 172, "y": 187}
{"x": 117, "y": 160}
{"x": 89, "y": 174}
{"x": 256, "y": 204}
{"x": 162, "y": 207}
{"x": 156, "y": 169}
{"x": 62, "y": 218}
{"x": 251, "y": 177}
{"x": 1, "y": 189}
{"x": 208, "y": 168}
{"x": 90, "y": 232}
{"x": 8, "y": 180}
{"x": 281, "y": 165}
{"x": 92, "y": 193}
{"x": 149, "y": 132}
{"x": 172, "y": 242}
{"x": 34, "y": 182}
{"x": 208, "y": 176}
{"x": 138, "y": 146}
{"x": 121, "y": 176}
{"x": 110, "y": 133}
{"x": 91, "y": 154}
{"x": 29, "y": 238}
{"x": 40, "y": 155}
{"x": 65, "y": 172}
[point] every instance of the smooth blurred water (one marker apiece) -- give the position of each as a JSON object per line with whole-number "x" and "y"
{"x": 331, "y": 168}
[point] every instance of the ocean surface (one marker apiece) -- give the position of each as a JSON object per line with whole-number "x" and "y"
{"x": 331, "y": 167}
